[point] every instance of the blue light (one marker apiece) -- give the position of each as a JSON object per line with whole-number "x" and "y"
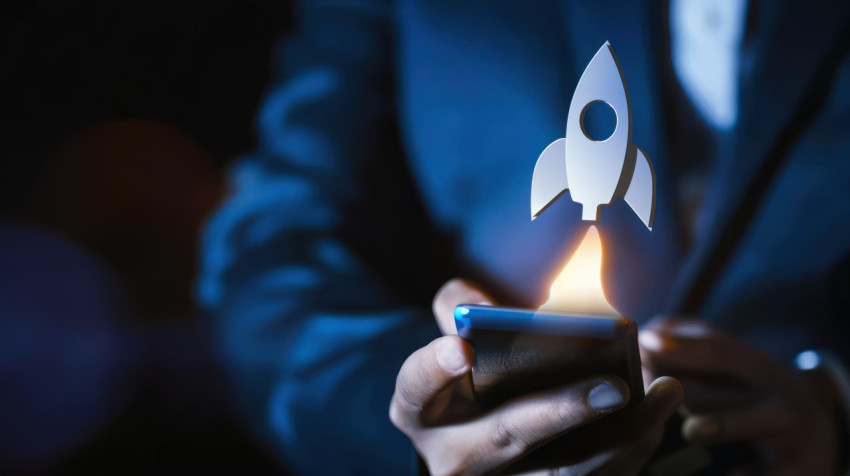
{"x": 807, "y": 360}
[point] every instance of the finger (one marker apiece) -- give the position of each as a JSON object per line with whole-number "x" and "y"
{"x": 455, "y": 292}
{"x": 702, "y": 396}
{"x": 657, "y": 337}
{"x": 605, "y": 439}
{"x": 426, "y": 374}
{"x": 590, "y": 465}
{"x": 646, "y": 428}
{"x": 681, "y": 326}
{"x": 663, "y": 398}
{"x": 633, "y": 457}
{"x": 524, "y": 424}
{"x": 709, "y": 354}
{"x": 763, "y": 420}
{"x": 647, "y": 375}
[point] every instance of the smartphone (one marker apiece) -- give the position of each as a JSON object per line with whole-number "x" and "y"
{"x": 521, "y": 351}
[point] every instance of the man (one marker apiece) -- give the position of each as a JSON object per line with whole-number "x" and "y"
{"x": 396, "y": 152}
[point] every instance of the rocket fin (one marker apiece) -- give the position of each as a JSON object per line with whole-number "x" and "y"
{"x": 641, "y": 192}
{"x": 550, "y": 177}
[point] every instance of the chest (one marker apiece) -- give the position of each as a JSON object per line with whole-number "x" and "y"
{"x": 480, "y": 95}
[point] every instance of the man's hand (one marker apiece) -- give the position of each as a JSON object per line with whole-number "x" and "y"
{"x": 431, "y": 405}
{"x": 735, "y": 393}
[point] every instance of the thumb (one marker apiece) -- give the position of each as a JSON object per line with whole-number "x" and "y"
{"x": 452, "y": 294}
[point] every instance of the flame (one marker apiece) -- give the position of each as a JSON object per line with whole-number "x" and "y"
{"x": 578, "y": 288}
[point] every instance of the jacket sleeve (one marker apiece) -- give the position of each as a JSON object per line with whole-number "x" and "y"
{"x": 319, "y": 268}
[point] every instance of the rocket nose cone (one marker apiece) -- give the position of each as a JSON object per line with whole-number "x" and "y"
{"x": 601, "y": 82}
{"x": 595, "y": 166}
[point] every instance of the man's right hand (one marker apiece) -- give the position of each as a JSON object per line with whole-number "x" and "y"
{"x": 431, "y": 405}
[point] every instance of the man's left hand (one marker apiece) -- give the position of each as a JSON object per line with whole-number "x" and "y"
{"x": 734, "y": 392}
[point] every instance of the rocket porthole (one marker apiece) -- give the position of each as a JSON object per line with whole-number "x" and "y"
{"x": 598, "y": 121}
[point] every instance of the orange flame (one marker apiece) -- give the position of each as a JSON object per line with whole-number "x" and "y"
{"x": 578, "y": 288}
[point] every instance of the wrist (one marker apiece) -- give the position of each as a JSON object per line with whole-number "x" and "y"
{"x": 830, "y": 382}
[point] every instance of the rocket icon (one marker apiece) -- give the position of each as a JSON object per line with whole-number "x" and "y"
{"x": 596, "y": 172}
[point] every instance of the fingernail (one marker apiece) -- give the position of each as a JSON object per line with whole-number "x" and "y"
{"x": 605, "y": 396}
{"x": 451, "y": 358}
{"x": 671, "y": 389}
{"x": 650, "y": 340}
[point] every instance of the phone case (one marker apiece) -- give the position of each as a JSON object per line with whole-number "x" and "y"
{"x": 520, "y": 351}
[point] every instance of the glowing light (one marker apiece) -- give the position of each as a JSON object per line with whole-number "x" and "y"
{"x": 807, "y": 360}
{"x": 578, "y": 288}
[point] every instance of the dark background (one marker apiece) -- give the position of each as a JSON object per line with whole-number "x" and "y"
{"x": 117, "y": 122}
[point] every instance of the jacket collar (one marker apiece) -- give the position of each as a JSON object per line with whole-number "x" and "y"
{"x": 787, "y": 64}
{"x": 789, "y": 55}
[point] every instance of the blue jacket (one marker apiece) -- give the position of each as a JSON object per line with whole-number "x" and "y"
{"x": 396, "y": 149}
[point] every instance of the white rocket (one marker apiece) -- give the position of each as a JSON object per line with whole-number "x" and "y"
{"x": 596, "y": 172}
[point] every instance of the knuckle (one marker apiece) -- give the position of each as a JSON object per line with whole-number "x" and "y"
{"x": 455, "y": 283}
{"x": 501, "y": 436}
{"x": 565, "y": 412}
{"x": 409, "y": 383}
{"x": 454, "y": 468}
{"x": 456, "y": 290}
{"x": 446, "y": 292}
{"x": 444, "y": 458}
{"x": 397, "y": 416}
{"x": 505, "y": 437}
{"x": 407, "y": 397}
